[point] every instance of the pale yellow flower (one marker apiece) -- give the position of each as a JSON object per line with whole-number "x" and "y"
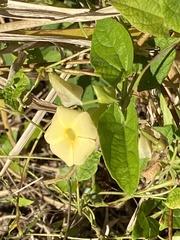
{"x": 72, "y": 136}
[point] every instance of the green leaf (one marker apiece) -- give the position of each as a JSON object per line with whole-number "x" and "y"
{"x": 145, "y": 226}
{"x": 160, "y": 68}
{"x": 177, "y": 134}
{"x": 173, "y": 200}
{"x": 148, "y": 206}
{"x": 50, "y": 54}
{"x": 23, "y": 202}
{"x": 70, "y": 94}
{"x": 86, "y": 83}
{"x": 15, "y": 167}
{"x": 89, "y": 168}
{"x": 96, "y": 113}
{"x": 144, "y": 15}
{"x": 63, "y": 184}
{"x": 111, "y": 51}
{"x": 147, "y": 81}
{"x": 167, "y": 116}
{"x": 35, "y": 56}
{"x": 171, "y": 12}
{"x": 14, "y": 90}
{"x": 119, "y": 143}
{"x": 167, "y": 131}
{"x": 105, "y": 95}
{"x": 5, "y": 144}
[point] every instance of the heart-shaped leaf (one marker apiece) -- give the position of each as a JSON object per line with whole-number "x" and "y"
{"x": 119, "y": 143}
{"x": 111, "y": 51}
{"x": 144, "y": 15}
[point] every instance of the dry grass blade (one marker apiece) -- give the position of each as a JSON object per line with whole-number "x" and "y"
{"x": 22, "y": 9}
{"x": 19, "y": 37}
{"x": 3, "y": 82}
{"x": 43, "y": 15}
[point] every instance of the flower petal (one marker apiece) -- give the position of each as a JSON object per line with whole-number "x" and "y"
{"x": 84, "y": 126}
{"x": 82, "y": 149}
{"x": 67, "y": 116}
{"x": 55, "y": 131}
{"x": 75, "y": 154}
{"x": 64, "y": 150}
{"x": 71, "y": 136}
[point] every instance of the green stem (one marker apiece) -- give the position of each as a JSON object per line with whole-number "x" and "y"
{"x": 82, "y": 29}
{"x": 67, "y": 59}
{"x": 90, "y": 102}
